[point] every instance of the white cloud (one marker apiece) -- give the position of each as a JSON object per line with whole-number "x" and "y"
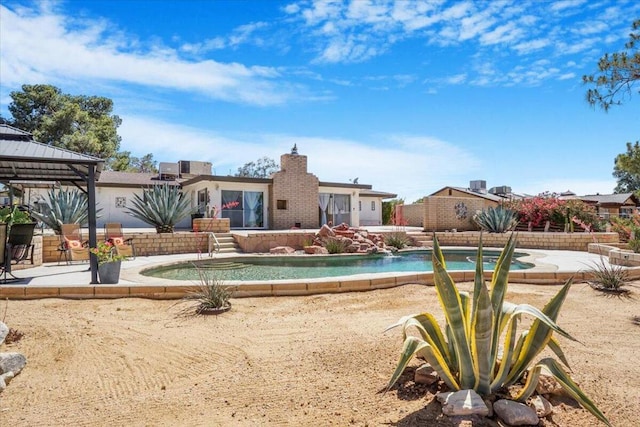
{"x": 581, "y": 187}
{"x": 413, "y": 165}
{"x": 41, "y": 46}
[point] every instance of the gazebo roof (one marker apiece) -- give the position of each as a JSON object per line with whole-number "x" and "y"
{"x": 23, "y": 159}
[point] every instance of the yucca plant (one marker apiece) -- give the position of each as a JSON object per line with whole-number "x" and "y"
{"x": 211, "y": 296}
{"x": 466, "y": 352}
{"x": 497, "y": 220}
{"x": 162, "y": 206}
{"x": 62, "y": 207}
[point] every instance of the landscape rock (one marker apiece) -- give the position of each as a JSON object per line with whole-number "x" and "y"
{"x": 5, "y": 379}
{"x": 4, "y": 331}
{"x": 282, "y": 250}
{"x": 515, "y": 413}
{"x": 463, "y": 402}
{"x": 315, "y": 250}
{"x": 425, "y": 374}
{"x": 541, "y": 405}
{"x": 12, "y": 362}
{"x": 326, "y": 231}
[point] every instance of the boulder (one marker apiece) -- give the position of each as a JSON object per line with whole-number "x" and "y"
{"x": 315, "y": 250}
{"x": 12, "y": 362}
{"x": 4, "y": 331}
{"x": 515, "y": 413}
{"x": 326, "y": 231}
{"x": 4, "y": 380}
{"x": 280, "y": 250}
{"x": 462, "y": 402}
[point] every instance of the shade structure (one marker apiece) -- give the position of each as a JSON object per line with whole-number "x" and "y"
{"x": 26, "y": 160}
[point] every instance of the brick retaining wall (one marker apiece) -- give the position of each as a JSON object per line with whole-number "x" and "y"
{"x": 529, "y": 240}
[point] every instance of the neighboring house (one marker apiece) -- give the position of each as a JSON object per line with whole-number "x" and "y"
{"x": 290, "y": 198}
{"x": 611, "y": 205}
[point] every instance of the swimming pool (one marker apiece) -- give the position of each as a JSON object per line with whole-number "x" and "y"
{"x": 271, "y": 267}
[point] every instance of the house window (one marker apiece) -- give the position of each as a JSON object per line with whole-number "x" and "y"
{"x": 359, "y": 205}
{"x": 373, "y": 206}
{"x": 281, "y": 204}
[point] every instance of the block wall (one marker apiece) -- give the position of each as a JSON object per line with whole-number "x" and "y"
{"x": 448, "y": 213}
{"x": 146, "y": 244}
{"x": 529, "y": 240}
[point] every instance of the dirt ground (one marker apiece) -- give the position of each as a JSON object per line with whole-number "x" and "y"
{"x": 291, "y": 361}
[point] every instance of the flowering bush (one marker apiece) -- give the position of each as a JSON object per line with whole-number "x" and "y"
{"x": 106, "y": 252}
{"x": 538, "y": 210}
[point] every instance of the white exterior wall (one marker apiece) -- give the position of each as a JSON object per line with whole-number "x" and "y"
{"x": 369, "y": 216}
{"x": 106, "y": 198}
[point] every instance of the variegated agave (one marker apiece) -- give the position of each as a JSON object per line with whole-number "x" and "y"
{"x": 476, "y": 328}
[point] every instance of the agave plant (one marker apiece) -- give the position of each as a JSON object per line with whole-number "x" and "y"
{"x": 62, "y": 207}
{"x": 497, "y": 220}
{"x": 162, "y": 206}
{"x": 467, "y": 354}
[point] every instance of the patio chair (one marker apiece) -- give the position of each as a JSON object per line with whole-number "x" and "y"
{"x": 17, "y": 247}
{"x": 124, "y": 246}
{"x": 72, "y": 246}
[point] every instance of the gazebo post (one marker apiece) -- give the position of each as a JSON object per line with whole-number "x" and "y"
{"x": 91, "y": 193}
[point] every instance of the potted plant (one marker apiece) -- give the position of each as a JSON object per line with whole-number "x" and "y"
{"x": 108, "y": 262}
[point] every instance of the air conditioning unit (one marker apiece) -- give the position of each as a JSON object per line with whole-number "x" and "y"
{"x": 478, "y": 186}
{"x": 168, "y": 171}
{"x": 501, "y": 190}
{"x": 189, "y": 168}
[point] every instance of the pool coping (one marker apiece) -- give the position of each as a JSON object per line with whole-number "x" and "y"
{"x": 134, "y": 285}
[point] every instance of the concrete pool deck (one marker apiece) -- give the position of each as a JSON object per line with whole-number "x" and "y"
{"x": 54, "y": 280}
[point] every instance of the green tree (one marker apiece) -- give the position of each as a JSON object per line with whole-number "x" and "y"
{"x": 124, "y": 162}
{"x": 388, "y": 208}
{"x": 618, "y": 74}
{"x": 264, "y": 167}
{"x": 84, "y": 124}
{"x": 627, "y": 169}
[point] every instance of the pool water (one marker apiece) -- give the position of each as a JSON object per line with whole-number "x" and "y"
{"x": 309, "y": 267}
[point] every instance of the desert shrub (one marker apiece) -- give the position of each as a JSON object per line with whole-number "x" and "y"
{"x": 397, "y": 240}
{"x": 634, "y": 244}
{"x": 538, "y": 210}
{"x": 479, "y": 347}
{"x": 497, "y": 220}
{"x": 606, "y": 277}
{"x": 334, "y": 246}
{"x": 211, "y": 293}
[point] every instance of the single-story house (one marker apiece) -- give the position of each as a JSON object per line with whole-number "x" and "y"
{"x": 290, "y": 198}
{"x": 623, "y": 205}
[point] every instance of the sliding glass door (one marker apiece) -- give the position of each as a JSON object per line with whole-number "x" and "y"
{"x": 245, "y": 209}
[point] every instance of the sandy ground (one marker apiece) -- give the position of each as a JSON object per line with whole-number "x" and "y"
{"x": 290, "y": 361}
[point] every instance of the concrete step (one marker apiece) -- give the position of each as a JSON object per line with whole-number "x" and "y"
{"x": 421, "y": 238}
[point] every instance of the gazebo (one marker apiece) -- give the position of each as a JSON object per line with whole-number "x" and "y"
{"x": 23, "y": 159}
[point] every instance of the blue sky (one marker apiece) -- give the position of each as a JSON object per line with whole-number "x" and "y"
{"x": 408, "y": 96}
